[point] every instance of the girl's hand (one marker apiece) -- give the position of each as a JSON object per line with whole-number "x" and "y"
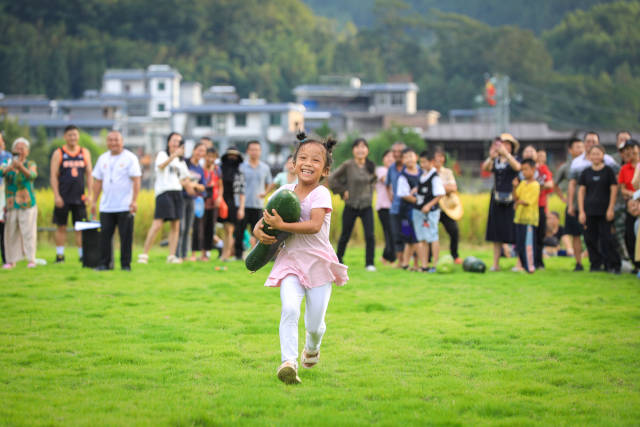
{"x": 582, "y": 218}
{"x": 610, "y": 215}
{"x": 261, "y": 235}
{"x": 274, "y": 220}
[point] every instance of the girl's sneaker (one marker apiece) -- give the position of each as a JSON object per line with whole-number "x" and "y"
{"x": 143, "y": 259}
{"x": 309, "y": 359}
{"x": 32, "y": 264}
{"x": 8, "y": 266}
{"x": 288, "y": 373}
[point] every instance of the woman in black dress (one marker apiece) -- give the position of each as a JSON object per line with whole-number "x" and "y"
{"x": 233, "y": 194}
{"x": 505, "y": 168}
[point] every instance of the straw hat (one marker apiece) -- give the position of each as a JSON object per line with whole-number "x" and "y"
{"x": 232, "y": 151}
{"x": 507, "y": 137}
{"x": 452, "y": 206}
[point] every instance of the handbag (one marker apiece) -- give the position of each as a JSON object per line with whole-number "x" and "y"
{"x": 503, "y": 198}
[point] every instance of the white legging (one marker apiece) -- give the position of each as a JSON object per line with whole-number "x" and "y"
{"x": 291, "y": 294}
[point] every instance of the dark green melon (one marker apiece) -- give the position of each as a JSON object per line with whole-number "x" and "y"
{"x": 473, "y": 265}
{"x": 287, "y": 204}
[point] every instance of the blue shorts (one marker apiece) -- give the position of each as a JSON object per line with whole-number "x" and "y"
{"x": 426, "y": 225}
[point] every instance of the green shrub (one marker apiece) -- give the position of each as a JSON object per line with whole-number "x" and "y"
{"x": 472, "y": 225}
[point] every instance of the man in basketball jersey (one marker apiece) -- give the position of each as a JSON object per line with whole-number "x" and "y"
{"x": 71, "y": 173}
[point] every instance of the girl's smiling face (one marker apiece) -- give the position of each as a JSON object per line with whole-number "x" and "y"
{"x": 310, "y": 163}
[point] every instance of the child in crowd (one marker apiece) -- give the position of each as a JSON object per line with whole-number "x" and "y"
{"x": 556, "y": 241}
{"x": 307, "y": 265}
{"x": 426, "y": 215}
{"x": 526, "y": 218}
{"x": 407, "y": 183}
{"x": 596, "y": 200}
{"x": 287, "y": 176}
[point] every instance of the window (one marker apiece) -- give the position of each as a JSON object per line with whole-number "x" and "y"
{"x": 275, "y": 119}
{"x": 397, "y": 99}
{"x": 161, "y": 107}
{"x": 240, "y": 119}
{"x": 127, "y": 88}
{"x": 203, "y": 120}
{"x": 219, "y": 124}
{"x": 160, "y": 86}
{"x": 26, "y": 109}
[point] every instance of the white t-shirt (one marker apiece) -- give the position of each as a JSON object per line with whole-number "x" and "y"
{"x": 168, "y": 179}
{"x": 116, "y": 172}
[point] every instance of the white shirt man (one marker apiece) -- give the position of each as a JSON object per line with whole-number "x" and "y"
{"x": 116, "y": 174}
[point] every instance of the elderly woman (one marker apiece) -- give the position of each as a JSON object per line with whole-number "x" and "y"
{"x": 20, "y": 229}
{"x": 505, "y": 168}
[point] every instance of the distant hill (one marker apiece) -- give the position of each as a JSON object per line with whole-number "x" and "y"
{"x": 536, "y": 15}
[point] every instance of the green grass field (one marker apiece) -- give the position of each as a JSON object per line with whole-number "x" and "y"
{"x": 187, "y": 345}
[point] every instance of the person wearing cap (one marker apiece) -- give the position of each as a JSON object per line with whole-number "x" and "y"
{"x": 20, "y": 230}
{"x": 172, "y": 176}
{"x": 5, "y": 160}
{"x": 505, "y": 167}
{"x": 629, "y": 154}
{"x": 578, "y": 165}
{"x": 233, "y": 195}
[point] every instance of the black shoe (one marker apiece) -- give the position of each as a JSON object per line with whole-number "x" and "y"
{"x": 595, "y": 269}
{"x": 615, "y": 271}
{"x": 101, "y": 268}
{"x": 80, "y": 259}
{"x": 59, "y": 259}
{"x": 578, "y": 267}
{"x": 126, "y": 268}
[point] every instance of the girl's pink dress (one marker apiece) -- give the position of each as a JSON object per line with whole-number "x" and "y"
{"x": 310, "y": 257}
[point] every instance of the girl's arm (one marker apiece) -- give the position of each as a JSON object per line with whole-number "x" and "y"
{"x": 312, "y": 226}
{"x": 265, "y": 238}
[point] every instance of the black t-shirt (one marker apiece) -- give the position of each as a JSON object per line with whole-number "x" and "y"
{"x": 504, "y": 175}
{"x": 598, "y": 185}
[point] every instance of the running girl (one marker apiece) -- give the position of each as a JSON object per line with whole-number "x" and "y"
{"x": 307, "y": 264}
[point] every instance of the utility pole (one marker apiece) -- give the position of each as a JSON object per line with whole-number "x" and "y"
{"x": 502, "y": 103}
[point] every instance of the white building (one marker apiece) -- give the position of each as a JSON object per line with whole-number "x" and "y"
{"x": 347, "y": 105}
{"x": 274, "y": 125}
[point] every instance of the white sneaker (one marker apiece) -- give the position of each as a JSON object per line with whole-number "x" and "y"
{"x": 288, "y": 373}
{"x": 172, "y": 259}
{"x": 144, "y": 259}
{"x": 370, "y": 268}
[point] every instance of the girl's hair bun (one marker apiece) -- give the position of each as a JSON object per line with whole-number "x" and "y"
{"x": 301, "y": 136}
{"x": 330, "y": 143}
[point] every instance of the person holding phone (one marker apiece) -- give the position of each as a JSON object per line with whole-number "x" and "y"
{"x": 505, "y": 167}
{"x": 171, "y": 176}
{"x": 20, "y": 232}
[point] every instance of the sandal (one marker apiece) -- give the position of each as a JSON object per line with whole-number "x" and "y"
{"x": 309, "y": 359}
{"x": 288, "y": 373}
{"x": 143, "y": 259}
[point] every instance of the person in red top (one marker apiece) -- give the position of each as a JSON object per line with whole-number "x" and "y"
{"x": 204, "y": 228}
{"x": 630, "y": 156}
